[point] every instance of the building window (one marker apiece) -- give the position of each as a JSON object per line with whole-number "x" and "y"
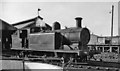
{"x": 115, "y": 49}
{"x": 106, "y": 49}
{"x": 100, "y": 48}
{"x": 107, "y": 41}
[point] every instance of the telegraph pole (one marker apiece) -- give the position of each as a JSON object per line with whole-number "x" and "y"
{"x": 112, "y": 23}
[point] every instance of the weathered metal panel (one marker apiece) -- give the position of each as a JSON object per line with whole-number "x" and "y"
{"x": 42, "y": 41}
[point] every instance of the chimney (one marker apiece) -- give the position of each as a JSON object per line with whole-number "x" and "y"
{"x": 78, "y": 22}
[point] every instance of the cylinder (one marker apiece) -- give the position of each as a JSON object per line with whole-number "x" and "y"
{"x": 78, "y": 22}
{"x": 56, "y": 26}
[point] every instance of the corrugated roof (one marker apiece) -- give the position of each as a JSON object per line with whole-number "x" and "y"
{"x": 29, "y": 23}
{"x": 6, "y": 26}
{"x": 26, "y": 21}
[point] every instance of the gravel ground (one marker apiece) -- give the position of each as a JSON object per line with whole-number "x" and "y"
{"x": 107, "y": 56}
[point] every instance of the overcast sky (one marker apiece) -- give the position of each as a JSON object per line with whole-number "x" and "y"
{"x": 95, "y": 15}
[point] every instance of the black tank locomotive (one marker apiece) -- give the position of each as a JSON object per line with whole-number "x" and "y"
{"x": 56, "y": 43}
{"x": 56, "y": 38}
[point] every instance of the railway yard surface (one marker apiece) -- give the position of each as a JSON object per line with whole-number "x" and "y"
{"x": 109, "y": 63}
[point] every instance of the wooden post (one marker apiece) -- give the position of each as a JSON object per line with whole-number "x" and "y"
{"x": 110, "y": 48}
{"x": 103, "y": 49}
{"x": 112, "y": 23}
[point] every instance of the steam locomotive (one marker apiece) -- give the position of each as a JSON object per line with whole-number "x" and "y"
{"x": 67, "y": 43}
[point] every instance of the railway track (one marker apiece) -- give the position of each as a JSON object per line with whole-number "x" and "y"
{"x": 72, "y": 66}
{"x": 93, "y": 66}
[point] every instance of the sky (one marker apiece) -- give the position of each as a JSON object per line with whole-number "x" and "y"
{"x": 96, "y": 15}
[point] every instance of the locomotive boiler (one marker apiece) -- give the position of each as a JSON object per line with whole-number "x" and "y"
{"x": 75, "y": 35}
